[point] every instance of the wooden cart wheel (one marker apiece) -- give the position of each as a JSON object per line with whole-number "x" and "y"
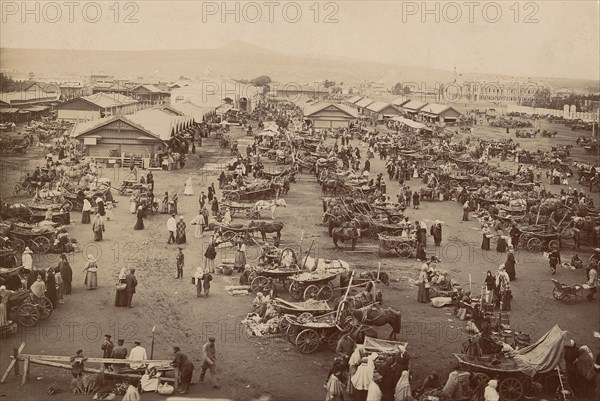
{"x": 45, "y": 307}
{"x": 404, "y": 250}
{"x": 325, "y": 293}
{"x": 28, "y": 314}
{"x": 17, "y": 190}
{"x": 228, "y": 236}
{"x": 251, "y": 277}
{"x": 284, "y": 324}
{"x": 18, "y": 245}
{"x": 398, "y": 232}
{"x": 292, "y": 333}
{"x": 295, "y": 291}
{"x": 311, "y": 292}
{"x": 534, "y": 245}
{"x": 258, "y": 283}
{"x": 478, "y": 382}
{"x": 395, "y": 219}
{"x": 234, "y": 196}
{"x": 40, "y": 244}
{"x": 511, "y": 389}
{"x": 559, "y": 295}
{"x": 333, "y": 339}
{"x": 308, "y": 341}
{"x": 255, "y": 215}
{"x": 553, "y": 245}
{"x": 58, "y": 219}
{"x": 287, "y": 258}
{"x": 68, "y": 205}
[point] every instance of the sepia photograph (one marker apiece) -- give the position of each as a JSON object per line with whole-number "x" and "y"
{"x": 356, "y": 200}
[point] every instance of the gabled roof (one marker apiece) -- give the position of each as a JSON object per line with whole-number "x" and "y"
{"x": 189, "y": 109}
{"x": 354, "y": 99}
{"x": 9, "y": 97}
{"x": 437, "y": 109}
{"x": 378, "y": 106}
{"x": 322, "y": 106}
{"x": 414, "y": 105}
{"x": 106, "y": 100}
{"x": 149, "y": 88}
{"x": 364, "y": 102}
{"x": 43, "y": 87}
{"x": 400, "y": 101}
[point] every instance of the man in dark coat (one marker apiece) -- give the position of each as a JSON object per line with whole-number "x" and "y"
{"x": 120, "y": 352}
{"x": 186, "y": 369}
{"x": 107, "y": 348}
{"x": 131, "y": 282}
{"x": 510, "y": 264}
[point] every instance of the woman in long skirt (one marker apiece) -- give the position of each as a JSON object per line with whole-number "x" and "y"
{"x": 91, "y": 273}
{"x": 59, "y": 287}
{"x": 420, "y": 255}
{"x": 98, "y": 227}
{"x": 51, "y": 287}
{"x": 85, "y": 213}
{"x": 100, "y": 206}
{"x": 240, "y": 257}
{"x": 174, "y": 199}
{"x": 198, "y": 221}
{"x": 66, "y": 273}
{"x": 139, "y": 224}
{"x": 164, "y": 208}
{"x": 132, "y": 204}
{"x": 485, "y": 242}
{"x": 121, "y": 297}
{"x": 188, "y": 187}
{"x": 180, "y": 231}
{"x": 423, "y": 292}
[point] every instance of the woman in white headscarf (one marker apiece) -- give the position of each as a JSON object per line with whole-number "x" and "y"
{"x": 121, "y": 297}
{"x": 91, "y": 273}
{"x": 188, "y": 187}
{"x": 353, "y": 363}
{"x": 198, "y": 281}
{"x": 362, "y": 379}
{"x": 403, "y": 392}
{"x": 490, "y": 393}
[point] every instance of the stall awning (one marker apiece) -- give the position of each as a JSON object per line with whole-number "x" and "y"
{"x": 9, "y": 110}
{"x": 36, "y": 109}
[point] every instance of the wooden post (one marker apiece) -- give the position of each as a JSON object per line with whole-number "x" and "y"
{"x": 25, "y": 371}
{"x": 538, "y": 214}
{"x": 101, "y": 373}
{"x": 13, "y": 364}
{"x": 176, "y": 380}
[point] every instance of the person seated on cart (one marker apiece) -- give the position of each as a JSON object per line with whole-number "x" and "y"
{"x": 270, "y": 288}
{"x": 269, "y": 251}
{"x": 576, "y": 262}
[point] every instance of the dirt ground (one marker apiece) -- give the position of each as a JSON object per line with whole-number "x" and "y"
{"x": 250, "y": 367}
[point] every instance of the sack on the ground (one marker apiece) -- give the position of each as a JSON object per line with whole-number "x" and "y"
{"x": 165, "y": 389}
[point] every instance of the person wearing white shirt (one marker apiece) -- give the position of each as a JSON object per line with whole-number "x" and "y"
{"x": 27, "y": 259}
{"x": 137, "y": 353}
{"x": 171, "y": 228}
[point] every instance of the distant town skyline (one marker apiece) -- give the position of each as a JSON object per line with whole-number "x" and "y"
{"x": 528, "y": 39}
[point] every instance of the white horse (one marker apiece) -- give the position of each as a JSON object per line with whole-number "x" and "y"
{"x": 269, "y": 205}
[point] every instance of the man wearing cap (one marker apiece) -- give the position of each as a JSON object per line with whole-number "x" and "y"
{"x": 131, "y": 282}
{"x": 137, "y": 353}
{"x": 119, "y": 352}
{"x": 171, "y": 228}
{"x": 186, "y": 368}
{"x": 510, "y": 264}
{"x": 209, "y": 362}
{"x": 180, "y": 259}
{"x": 107, "y": 346}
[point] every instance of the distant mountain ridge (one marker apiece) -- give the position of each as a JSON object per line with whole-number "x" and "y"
{"x": 240, "y": 59}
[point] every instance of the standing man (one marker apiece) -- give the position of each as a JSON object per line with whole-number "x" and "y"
{"x": 202, "y": 199}
{"x": 107, "y": 347}
{"x": 180, "y": 259}
{"x": 510, "y": 264}
{"x": 171, "y": 228}
{"x": 119, "y": 352}
{"x": 186, "y": 368}
{"x": 209, "y": 362}
{"x": 138, "y": 353}
{"x": 131, "y": 282}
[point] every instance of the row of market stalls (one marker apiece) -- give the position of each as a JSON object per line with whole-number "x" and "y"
{"x": 413, "y": 109}
{"x": 17, "y": 107}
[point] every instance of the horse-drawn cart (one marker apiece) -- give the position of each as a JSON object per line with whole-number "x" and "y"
{"x": 27, "y": 309}
{"x": 40, "y": 239}
{"x": 537, "y": 240}
{"x": 248, "y": 209}
{"x": 235, "y": 232}
{"x": 313, "y": 285}
{"x": 522, "y": 373}
{"x": 259, "y": 278}
{"x": 262, "y": 192}
{"x": 569, "y": 293}
{"x": 308, "y": 332}
{"x": 396, "y": 245}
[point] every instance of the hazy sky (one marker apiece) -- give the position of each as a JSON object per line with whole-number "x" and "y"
{"x": 541, "y": 38}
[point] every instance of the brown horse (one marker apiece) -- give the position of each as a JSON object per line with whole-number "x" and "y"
{"x": 372, "y": 316}
{"x": 343, "y": 234}
{"x": 267, "y": 228}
